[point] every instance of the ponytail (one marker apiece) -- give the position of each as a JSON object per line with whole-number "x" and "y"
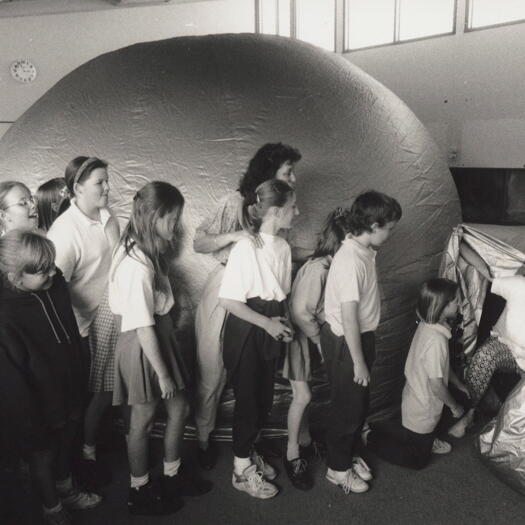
{"x": 332, "y": 234}
{"x": 273, "y": 192}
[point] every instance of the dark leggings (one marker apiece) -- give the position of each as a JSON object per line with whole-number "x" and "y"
{"x": 490, "y": 357}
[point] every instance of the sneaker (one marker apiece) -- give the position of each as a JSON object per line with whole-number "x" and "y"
{"x": 265, "y": 468}
{"x": 253, "y": 482}
{"x": 297, "y": 471}
{"x": 185, "y": 483}
{"x": 350, "y": 482}
{"x": 76, "y": 499}
{"x": 169, "y": 491}
{"x": 316, "y": 449}
{"x": 441, "y": 447}
{"x": 207, "y": 458}
{"x": 147, "y": 501}
{"x": 57, "y": 518}
{"x": 459, "y": 429}
{"x": 360, "y": 467}
{"x": 268, "y": 448}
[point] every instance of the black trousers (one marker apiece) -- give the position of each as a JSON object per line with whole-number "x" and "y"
{"x": 348, "y": 400}
{"x": 400, "y": 446}
{"x": 253, "y": 382}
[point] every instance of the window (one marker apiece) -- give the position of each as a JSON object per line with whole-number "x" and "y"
{"x": 378, "y": 22}
{"x": 485, "y": 13}
{"x": 312, "y": 21}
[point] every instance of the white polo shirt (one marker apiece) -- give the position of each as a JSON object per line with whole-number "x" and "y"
{"x": 510, "y": 327}
{"x": 428, "y": 358}
{"x": 84, "y": 248}
{"x": 131, "y": 290}
{"x": 252, "y": 271}
{"x": 353, "y": 277}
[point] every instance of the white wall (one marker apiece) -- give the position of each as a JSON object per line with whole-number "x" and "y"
{"x": 59, "y": 43}
{"x": 467, "y": 88}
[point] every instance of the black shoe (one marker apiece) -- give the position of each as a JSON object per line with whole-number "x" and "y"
{"x": 297, "y": 471}
{"x": 316, "y": 449}
{"x": 187, "y": 484}
{"x": 269, "y": 448}
{"x": 207, "y": 458}
{"x": 93, "y": 474}
{"x": 148, "y": 501}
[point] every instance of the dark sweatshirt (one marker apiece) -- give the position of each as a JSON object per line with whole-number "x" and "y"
{"x": 41, "y": 376}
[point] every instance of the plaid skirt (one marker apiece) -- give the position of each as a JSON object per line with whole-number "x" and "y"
{"x": 103, "y": 335}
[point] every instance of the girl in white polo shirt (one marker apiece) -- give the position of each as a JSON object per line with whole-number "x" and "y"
{"x": 428, "y": 373}
{"x": 148, "y": 365}
{"x": 256, "y": 282}
{"x": 85, "y": 236}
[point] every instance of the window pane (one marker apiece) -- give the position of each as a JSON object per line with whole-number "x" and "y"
{"x": 369, "y": 23}
{"x": 274, "y": 17}
{"x": 431, "y": 17}
{"x": 489, "y": 12}
{"x": 315, "y": 22}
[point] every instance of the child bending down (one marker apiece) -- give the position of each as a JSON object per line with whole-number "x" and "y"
{"x": 426, "y": 391}
{"x": 256, "y": 282}
{"x": 41, "y": 388}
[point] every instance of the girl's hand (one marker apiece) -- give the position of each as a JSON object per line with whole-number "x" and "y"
{"x": 167, "y": 387}
{"x": 277, "y": 328}
{"x": 361, "y": 374}
{"x": 457, "y": 411}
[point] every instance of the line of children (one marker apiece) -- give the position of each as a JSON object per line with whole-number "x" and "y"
{"x": 253, "y": 289}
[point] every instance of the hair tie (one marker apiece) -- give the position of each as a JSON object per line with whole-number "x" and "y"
{"x": 64, "y": 193}
{"x": 339, "y": 213}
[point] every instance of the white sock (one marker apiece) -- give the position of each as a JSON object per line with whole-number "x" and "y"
{"x": 89, "y": 452}
{"x": 240, "y": 464}
{"x": 292, "y": 451}
{"x": 65, "y": 485}
{"x": 53, "y": 510}
{"x": 171, "y": 468}
{"x": 136, "y": 483}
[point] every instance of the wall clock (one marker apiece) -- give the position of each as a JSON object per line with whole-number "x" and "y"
{"x": 23, "y": 70}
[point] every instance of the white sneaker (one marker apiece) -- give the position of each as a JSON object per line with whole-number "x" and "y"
{"x": 267, "y": 470}
{"x": 79, "y": 500}
{"x": 360, "y": 467}
{"x": 441, "y": 447}
{"x": 350, "y": 482}
{"x": 252, "y": 482}
{"x": 458, "y": 429}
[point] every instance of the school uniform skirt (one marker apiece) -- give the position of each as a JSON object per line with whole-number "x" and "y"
{"x": 103, "y": 336}
{"x": 298, "y": 359}
{"x": 135, "y": 379}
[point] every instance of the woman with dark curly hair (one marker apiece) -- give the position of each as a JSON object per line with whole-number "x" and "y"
{"x": 216, "y": 235}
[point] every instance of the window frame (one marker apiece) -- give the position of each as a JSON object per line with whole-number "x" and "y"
{"x": 468, "y": 11}
{"x": 397, "y": 21}
{"x": 293, "y": 22}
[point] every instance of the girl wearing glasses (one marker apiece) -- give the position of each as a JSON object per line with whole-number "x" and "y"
{"x": 17, "y": 207}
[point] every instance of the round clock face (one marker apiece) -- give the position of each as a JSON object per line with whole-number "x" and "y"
{"x": 23, "y": 71}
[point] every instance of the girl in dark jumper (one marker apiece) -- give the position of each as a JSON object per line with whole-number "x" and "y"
{"x": 40, "y": 370}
